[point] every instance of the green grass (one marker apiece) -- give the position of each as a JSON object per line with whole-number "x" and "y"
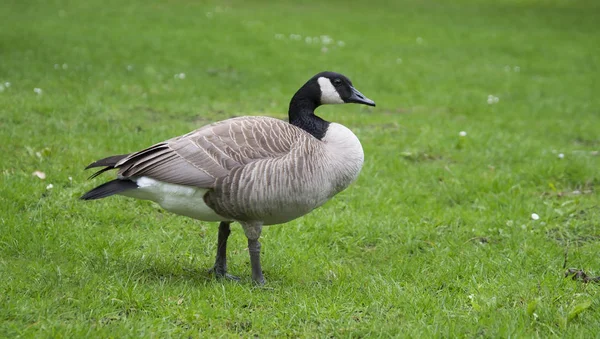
{"x": 435, "y": 239}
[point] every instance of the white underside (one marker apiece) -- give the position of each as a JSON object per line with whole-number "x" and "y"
{"x": 178, "y": 199}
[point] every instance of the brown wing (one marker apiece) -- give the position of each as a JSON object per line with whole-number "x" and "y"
{"x": 200, "y": 157}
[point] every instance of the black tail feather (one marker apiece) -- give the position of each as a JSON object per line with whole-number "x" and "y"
{"x": 100, "y": 172}
{"x": 109, "y": 188}
{"x": 110, "y": 161}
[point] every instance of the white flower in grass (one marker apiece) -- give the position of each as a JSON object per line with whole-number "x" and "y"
{"x": 535, "y": 216}
{"x": 462, "y": 133}
{"x": 561, "y": 155}
{"x": 50, "y": 186}
{"x": 65, "y": 66}
{"x": 179, "y": 76}
{"x": 37, "y": 91}
{"x": 7, "y": 84}
{"x": 326, "y": 39}
{"x": 492, "y": 99}
{"x": 130, "y": 68}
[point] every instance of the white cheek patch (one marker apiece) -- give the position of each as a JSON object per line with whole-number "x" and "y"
{"x": 329, "y": 94}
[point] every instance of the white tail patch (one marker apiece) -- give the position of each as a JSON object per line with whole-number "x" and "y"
{"x": 178, "y": 199}
{"x": 329, "y": 95}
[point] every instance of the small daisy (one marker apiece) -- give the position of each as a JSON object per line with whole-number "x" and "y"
{"x": 462, "y": 133}
{"x": 37, "y": 91}
{"x": 492, "y": 99}
{"x": 326, "y": 39}
{"x": 534, "y": 216}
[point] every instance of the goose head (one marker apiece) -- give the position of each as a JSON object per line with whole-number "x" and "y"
{"x": 327, "y": 88}
{"x": 336, "y": 88}
{"x": 322, "y": 89}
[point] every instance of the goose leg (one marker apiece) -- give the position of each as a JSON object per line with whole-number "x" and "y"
{"x": 253, "y": 231}
{"x": 220, "y": 268}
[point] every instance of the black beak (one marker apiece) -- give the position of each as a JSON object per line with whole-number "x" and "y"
{"x": 358, "y": 98}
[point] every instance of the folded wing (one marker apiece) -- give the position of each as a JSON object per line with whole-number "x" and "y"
{"x": 201, "y": 157}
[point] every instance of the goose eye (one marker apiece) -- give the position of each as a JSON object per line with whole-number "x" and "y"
{"x": 337, "y": 82}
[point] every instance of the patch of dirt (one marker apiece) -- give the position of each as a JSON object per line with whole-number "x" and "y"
{"x": 479, "y": 240}
{"x": 420, "y": 156}
{"x": 580, "y": 275}
{"x": 586, "y": 141}
{"x": 578, "y": 189}
{"x": 577, "y": 227}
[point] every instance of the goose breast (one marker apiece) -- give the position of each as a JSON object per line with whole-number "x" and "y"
{"x": 279, "y": 189}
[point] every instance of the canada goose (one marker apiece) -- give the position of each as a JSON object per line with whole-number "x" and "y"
{"x": 253, "y": 170}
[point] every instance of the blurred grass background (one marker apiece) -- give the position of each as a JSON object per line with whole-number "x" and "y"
{"x": 434, "y": 239}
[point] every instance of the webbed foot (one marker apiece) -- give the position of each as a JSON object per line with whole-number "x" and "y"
{"x": 221, "y": 273}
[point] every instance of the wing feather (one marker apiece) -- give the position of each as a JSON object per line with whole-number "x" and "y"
{"x": 201, "y": 157}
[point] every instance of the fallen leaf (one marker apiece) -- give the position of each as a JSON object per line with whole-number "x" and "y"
{"x": 39, "y": 174}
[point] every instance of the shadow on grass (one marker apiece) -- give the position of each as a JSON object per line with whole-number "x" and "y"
{"x": 176, "y": 272}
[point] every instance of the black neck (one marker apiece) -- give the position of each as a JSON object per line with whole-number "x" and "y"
{"x": 302, "y": 114}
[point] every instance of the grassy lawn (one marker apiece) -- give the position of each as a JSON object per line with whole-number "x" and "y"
{"x": 435, "y": 239}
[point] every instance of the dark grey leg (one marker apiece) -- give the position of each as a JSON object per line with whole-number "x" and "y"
{"x": 254, "y": 249}
{"x": 253, "y": 230}
{"x": 220, "y": 268}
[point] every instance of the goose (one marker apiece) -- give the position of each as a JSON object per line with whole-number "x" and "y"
{"x": 254, "y": 170}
